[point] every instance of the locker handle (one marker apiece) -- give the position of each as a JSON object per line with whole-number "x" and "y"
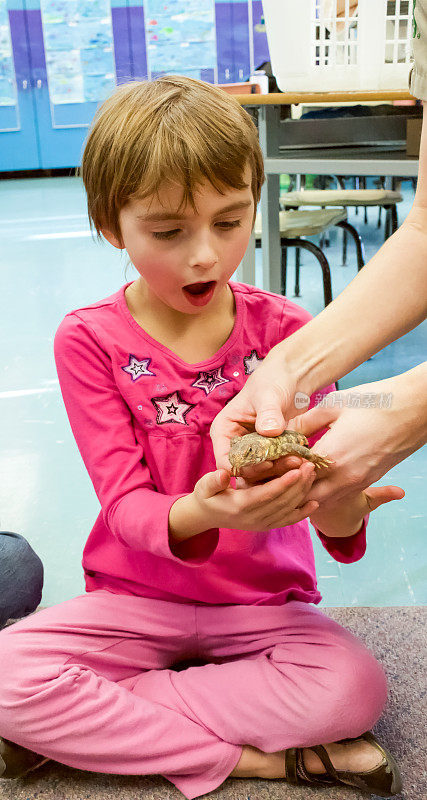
{"x": 25, "y": 84}
{"x": 39, "y": 84}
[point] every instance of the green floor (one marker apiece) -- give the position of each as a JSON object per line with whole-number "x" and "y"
{"x": 50, "y": 265}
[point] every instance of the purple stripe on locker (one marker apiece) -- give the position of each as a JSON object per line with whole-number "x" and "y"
{"x": 123, "y": 59}
{"x": 232, "y": 34}
{"x": 19, "y": 45}
{"x": 207, "y": 75}
{"x": 240, "y": 23}
{"x": 35, "y": 35}
{"x": 137, "y": 37}
{"x": 261, "y": 51}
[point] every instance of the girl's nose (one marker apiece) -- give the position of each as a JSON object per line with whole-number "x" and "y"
{"x": 203, "y": 253}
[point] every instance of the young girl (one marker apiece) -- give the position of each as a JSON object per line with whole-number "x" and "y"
{"x": 182, "y": 564}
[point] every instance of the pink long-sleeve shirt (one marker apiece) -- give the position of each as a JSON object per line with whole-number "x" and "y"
{"x": 141, "y": 417}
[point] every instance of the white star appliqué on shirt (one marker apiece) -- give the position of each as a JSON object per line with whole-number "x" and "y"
{"x": 210, "y": 380}
{"x": 252, "y": 362}
{"x": 171, "y": 408}
{"x": 136, "y": 369}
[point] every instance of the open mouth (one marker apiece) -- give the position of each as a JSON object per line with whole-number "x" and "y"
{"x": 199, "y": 294}
{"x": 199, "y": 288}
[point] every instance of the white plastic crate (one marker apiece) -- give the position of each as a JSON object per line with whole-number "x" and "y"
{"x": 327, "y": 45}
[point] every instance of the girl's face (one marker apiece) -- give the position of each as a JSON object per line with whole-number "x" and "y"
{"x": 172, "y": 251}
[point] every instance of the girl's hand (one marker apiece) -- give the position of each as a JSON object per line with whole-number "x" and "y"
{"x": 256, "y": 473}
{"x": 275, "y": 504}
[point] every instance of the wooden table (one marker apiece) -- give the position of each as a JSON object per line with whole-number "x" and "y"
{"x": 336, "y": 161}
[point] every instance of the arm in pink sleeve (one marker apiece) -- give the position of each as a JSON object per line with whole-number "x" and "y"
{"x": 347, "y": 548}
{"x": 134, "y": 511}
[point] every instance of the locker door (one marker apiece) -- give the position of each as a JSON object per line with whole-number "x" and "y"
{"x": 259, "y": 37}
{"x": 73, "y": 60}
{"x": 18, "y": 134}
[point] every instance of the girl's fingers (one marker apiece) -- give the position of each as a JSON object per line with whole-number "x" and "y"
{"x": 270, "y": 469}
{"x": 277, "y": 486}
{"x": 284, "y": 494}
{"x": 289, "y": 493}
{"x": 280, "y": 521}
{"x": 296, "y": 492}
{"x": 305, "y": 510}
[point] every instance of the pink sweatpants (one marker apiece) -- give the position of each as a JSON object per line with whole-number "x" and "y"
{"x": 88, "y": 683}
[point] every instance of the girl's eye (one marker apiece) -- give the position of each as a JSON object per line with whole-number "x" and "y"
{"x": 165, "y": 234}
{"x": 228, "y": 225}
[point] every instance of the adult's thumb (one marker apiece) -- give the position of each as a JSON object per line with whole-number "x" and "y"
{"x": 270, "y": 420}
{"x": 378, "y": 495}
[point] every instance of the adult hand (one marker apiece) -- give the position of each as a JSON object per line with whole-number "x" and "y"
{"x": 264, "y": 404}
{"x": 372, "y": 427}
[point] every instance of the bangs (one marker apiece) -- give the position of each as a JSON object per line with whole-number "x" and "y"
{"x": 172, "y": 129}
{"x": 173, "y": 159}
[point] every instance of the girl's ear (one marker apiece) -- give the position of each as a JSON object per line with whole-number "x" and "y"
{"x": 110, "y": 237}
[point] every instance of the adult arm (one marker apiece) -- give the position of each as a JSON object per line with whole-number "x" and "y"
{"x": 373, "y": 428}
{"x": 387, "y": 299}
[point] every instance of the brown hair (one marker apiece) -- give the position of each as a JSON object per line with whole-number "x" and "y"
{"x": 147, "y": 132}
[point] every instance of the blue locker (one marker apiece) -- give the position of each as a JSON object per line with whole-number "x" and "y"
{"x": 18, "y": 131}
{"x": 72, "y": 52}
{"x": 60, "y": 58}
{"x": 60, "y": 77}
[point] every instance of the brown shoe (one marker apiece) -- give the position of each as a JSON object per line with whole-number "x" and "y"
{"x": 16, "y": 761}
{"x": 384, "y": 780}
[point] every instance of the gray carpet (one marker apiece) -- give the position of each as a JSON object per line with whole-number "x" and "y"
{"x": 395, "y": 635}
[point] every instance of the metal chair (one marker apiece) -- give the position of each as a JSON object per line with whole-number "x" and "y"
{"x": 295, "y": 226}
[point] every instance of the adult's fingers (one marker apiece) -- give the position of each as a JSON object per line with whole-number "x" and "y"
{"x": 315, "y": 419}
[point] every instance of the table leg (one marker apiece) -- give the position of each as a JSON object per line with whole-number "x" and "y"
{"x": 271, "y": 256}
{"x": 268, "y": 130}
{"x": 246, "y": 270}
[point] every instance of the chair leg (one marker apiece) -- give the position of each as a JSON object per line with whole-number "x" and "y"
{"x": 297, "y": 271}
{"x": 357, "y": 240}
{"x": 387, "y": 223}
{"x": 305, "y": 244}
{"x": 394, "y": 220}
{"x": 365, "y": 207}
{"x": 356, "y": 186}
{"x": 284, "y": 266}
{"x": 344, "y": 248}
{"x": 324, "y": 239}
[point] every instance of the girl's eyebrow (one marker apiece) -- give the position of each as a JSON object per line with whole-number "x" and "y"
{"x": 161, "y": 216}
